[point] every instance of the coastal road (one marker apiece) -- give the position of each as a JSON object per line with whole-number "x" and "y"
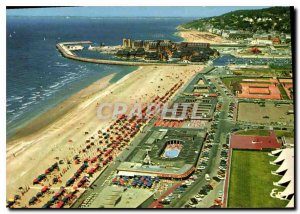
{"x": 225, "y": 124}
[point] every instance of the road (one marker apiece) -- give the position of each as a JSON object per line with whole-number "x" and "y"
{"x": 224, "y": 127}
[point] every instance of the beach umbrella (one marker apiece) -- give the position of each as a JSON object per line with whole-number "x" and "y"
{"x": 91, "y": 171}
{"x": 11, "y": 200}
{"x": 65, "y": 199}
{"x": 53, "y": 199}
{"x": 17, "y": 197}
{"x": 41, "y": 176}
{"x": 39, "y": 194}
{"x": 93, "y": 159}
{"x": 47, "y": 205}
{"x": 32, "y": 200}
{"x": 55, "y": 180}
{"x": 73, "y": 191}
{"x": 44, "y": 189}
{"x": 35, "y": 181}
{"x": 60, "y": 204}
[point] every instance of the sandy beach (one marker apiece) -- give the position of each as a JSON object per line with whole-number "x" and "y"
{"x": 61, "y": 109}
{"x": 29, "y": 155}
{"x": 197, "y": 36}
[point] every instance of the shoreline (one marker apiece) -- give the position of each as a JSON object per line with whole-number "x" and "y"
{"x": 40, "y": 149}
{"x": 43, "y": 120}
{"x": 199, "y": 36}
{"x": 76, "y": 116}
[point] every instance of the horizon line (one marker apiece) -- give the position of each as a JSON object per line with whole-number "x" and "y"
{"x": 65, "y": 16}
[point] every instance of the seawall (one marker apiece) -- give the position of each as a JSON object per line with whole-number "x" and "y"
{"x": 70, "y": 55}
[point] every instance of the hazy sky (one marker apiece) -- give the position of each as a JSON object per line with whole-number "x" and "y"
{"x": 140, "y": 11}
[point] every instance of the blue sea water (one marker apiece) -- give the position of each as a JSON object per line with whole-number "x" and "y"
{"x": 38, "y": 77}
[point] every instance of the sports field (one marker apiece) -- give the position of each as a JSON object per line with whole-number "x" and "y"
{"x": 251, "y": 181}
{"x": 254, "y": 113}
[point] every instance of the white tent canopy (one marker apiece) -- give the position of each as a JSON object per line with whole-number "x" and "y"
{"x": 288, "y": 176}
{"x": 276, "y": 152}
{"x": 291, "y": 203}
{"x": 288, "y": 191}
{"x": 286, "y": 164}
{"x": 285, "y": 154}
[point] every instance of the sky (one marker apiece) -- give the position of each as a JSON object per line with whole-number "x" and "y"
{"x": 138, "y": 11}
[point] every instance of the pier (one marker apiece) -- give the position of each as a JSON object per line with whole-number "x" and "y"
{"x": 70, "y": 55}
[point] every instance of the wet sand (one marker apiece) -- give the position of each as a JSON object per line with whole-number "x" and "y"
{"x": 48, "y": 117}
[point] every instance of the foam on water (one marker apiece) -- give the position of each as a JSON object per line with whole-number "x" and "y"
{"x": 36, "y": 85}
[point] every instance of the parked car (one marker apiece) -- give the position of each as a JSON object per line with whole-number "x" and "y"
{"x": 198, "y": 198}
{"x": 194, "y": 201}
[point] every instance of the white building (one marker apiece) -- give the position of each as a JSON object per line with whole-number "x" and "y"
{"x": 261, "y": 42}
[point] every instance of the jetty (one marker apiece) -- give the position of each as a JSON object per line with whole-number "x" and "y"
{"x": 71, "y": 55}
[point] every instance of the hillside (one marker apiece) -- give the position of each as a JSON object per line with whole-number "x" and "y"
{"x": 268, "y": 19}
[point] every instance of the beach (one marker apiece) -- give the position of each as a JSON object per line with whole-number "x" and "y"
{"x": 61, "y": 133}
{"x": 197, "y": 36}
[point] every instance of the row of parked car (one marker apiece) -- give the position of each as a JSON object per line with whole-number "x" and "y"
{"x": 231, "y": 110}
{"x": 199, "y": 196}
{"x": 204, "y": 157}
{"x": 179, "y": 190}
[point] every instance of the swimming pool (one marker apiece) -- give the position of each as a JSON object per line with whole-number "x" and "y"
{"x": 171, "y": 153}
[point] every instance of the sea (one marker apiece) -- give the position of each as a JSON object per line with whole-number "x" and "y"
{"x": 39, "y": 78}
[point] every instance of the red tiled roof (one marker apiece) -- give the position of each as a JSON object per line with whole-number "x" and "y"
{"x": 254, "y": 142}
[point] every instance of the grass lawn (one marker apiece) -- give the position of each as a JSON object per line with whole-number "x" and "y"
{"x": 228, "y": 80}
{"x": 280, "y": 133}
{"x": 260, "y": 132}
{"x": 251, "y": 181}
{"x": 263, "y": 72}
{"x": 283, "y": 92}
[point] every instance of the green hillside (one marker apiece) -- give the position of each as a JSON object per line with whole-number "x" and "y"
{"x": 268, "y": 19}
